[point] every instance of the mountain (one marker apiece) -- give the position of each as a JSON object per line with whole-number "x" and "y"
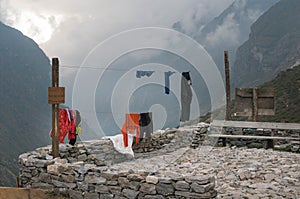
{"x": 273, "y": 45}
{"x": 25, "y": 115}
{"x": 229, "y": 30}
{"x": 287, "y": 96}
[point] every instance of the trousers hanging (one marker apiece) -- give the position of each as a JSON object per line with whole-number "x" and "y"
{"x": 146, "y": 124}
{"x": 131, "y": 125}
{"x": 186, "y": 96}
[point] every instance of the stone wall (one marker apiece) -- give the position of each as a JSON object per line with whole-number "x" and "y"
{"x": 85, "y": 171}
{"x": 284, "y": 145}
{"x": 169, "y": 140}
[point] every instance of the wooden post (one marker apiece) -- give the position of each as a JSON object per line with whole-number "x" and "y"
{"x": 228, "y": 108}
{"x": 17, "y": 181}
{"x": 255, "y": 105}
{"x": 55, "y": 125}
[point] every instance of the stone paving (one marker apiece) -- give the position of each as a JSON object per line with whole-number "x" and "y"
{"x": 239, "y": 172}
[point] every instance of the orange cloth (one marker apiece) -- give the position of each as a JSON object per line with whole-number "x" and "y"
{"x": 132, "y": 124}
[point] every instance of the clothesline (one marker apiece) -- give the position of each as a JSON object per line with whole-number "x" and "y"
{"x": 102, "y": 68}
{"x": 89, "y": 111}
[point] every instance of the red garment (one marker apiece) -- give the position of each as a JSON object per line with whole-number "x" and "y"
{"x": 64, "y": 124}
{"x": 132, "y": 124}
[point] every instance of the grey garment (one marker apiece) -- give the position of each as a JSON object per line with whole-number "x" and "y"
{"x": 78, "y": 118}
{"x": 146, "y": 125}
{"x": 186, "y": 99}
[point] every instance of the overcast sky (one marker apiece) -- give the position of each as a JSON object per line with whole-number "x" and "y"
{"x": 70, "y": 29}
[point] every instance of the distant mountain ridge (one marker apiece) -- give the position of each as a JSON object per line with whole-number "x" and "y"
{"x": 25, "y": 115}
{"x": 273, "y": 45}
{"x": 287, "y": 96}
{"x": 230, "y": 29}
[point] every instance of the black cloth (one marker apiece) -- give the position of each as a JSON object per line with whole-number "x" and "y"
{"x": 146, "y": 125}
{"x": 186, "y": 96}
{"x": 187, "y": 76}
{"x": 73, "y": 141}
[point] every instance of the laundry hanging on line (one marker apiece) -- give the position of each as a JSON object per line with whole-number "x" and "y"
{"x": 69, "y": 123}
{"x": 132, "y": 126}
{"x": 146, "y": 124}
{"x": 186, "y": 96}
{"x": 142, "y": 73}
{"x": 167, "y": 81}
{"x": 137, "y": 124}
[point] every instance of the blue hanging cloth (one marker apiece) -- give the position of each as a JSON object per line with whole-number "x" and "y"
{"x": 141, "y": 73}
{"x": 167, "y": 81}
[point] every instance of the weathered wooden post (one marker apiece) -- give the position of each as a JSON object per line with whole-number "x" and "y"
{"x": 227, "y": 80}
{"x": 55, "y": 79}
{"x": 56, "y": 96}
{"x": 227, "y": 76}
{"x": 255, "y": 104}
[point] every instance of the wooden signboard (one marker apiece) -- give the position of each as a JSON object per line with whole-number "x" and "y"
{"x": 56, "y": 95}
{"x": 254, "y": 101}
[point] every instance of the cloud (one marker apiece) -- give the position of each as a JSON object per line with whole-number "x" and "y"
{"x": 201, "y": 14}
{"x": 228, "y": 32}
{"x": 76, "y": 27}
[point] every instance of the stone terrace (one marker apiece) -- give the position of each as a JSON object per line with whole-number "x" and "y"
{"x": 172, "y": 169}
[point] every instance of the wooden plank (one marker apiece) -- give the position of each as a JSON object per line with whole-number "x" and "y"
{"x": 254, "y": 102}
{"x": 262, "y": 125}
{"x": 56, "y": 95}
{"x": 252, "y": 137}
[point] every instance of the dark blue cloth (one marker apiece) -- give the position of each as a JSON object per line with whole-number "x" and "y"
{"x": 167, "y": 81}
{"x": 141, "y": 73}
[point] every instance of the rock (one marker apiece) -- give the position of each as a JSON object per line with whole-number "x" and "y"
{"x": 148, "y": 188}
{"x": 93, "y": 179}
{"x": 75, "y": 194}
{"x": 101, "y": 189}
{"x": 182, "y": 186}
{"x": 60, "y": 161}
{"x": 165, "y": 189}
{"x": 109, "y": 175}
{"x": 42, "y": 186}
{"x": 154, "y": 197}
{"x": 82, "y": 157}
{"x": 198, "y": 179}
{"x": 131, "y": 194}
{"x": 115, "y": 190}
{"x": 68, "y": 178}
{"x": 135, "y": 177}
{"x": 152, "y": 179}
{"x": 269, "y": 177}
{"x": 123, "y": 182}
{"x": 83, "y": 186}
{"x": 133, "y": 185}
{"x": 91, "y": 196}
{"x": 106, "y": 196}
{"x": 60, "y": 184}
{"x": 111, "y": 182}
{"x": 193, "y": 195}
{"x": 197, "y": 188}
{"x": 165, "y": 180}
{"x": 53, "y": 169}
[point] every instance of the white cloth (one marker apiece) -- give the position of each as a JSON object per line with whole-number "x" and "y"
{"x": 119, "y": 144}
